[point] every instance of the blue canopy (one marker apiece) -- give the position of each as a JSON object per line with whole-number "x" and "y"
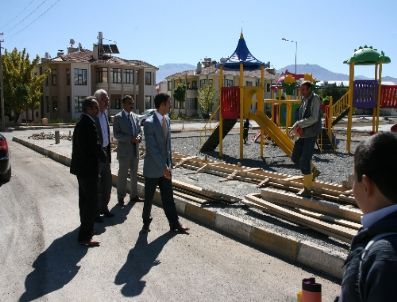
{"x": 244, "y": 56}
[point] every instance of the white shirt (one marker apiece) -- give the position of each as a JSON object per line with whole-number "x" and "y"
{"x": 160, "y": 117}
{"x": 371, "y": 218}
{"x": 104, "y": 128}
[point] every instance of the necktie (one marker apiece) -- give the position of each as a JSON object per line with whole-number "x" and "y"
{"x": 165, "y": 129}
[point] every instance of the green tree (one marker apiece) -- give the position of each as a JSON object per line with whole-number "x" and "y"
{"x": 206, "y": 99}
{"x": 22, "y": 82}
{"x": 180, "y": 94}
{"x": 333, "y": 90}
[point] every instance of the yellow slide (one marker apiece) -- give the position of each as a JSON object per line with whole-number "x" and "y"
{"x": 274, "y": 132}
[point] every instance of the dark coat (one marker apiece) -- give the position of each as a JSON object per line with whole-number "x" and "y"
{"x": 379, "y": 267}
{"x": 87, "y": 151}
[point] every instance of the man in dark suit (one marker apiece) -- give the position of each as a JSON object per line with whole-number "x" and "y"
{"x": 158, "y": 163}
{"x": 86, "y": 155}
{"x": 127, "y": 131}
{"x": 105, "y": 174}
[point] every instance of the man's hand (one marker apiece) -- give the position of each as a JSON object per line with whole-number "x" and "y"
{"x": 136, "y": 140}
{"x": 167, "y": 173}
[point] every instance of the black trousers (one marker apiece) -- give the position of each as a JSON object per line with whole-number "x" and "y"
{"x": 167, "y": 199}
{"x": 88, "y": 201}
{"x": 303, "y": 152}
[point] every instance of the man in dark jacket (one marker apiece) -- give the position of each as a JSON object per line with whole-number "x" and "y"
{"x": 371, "y": 267}
{"x": 86, "y": 155}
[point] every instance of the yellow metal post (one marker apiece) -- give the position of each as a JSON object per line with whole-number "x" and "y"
{"x": 261, "y": 105}
{"x": 375, "y": 108}
{"x": 220, "y": 112}
{"x": 241, "y": 110}
{"x": 379, "y": 98}
{"x": 330, "y": 116}
{"x": 350, "y": 118}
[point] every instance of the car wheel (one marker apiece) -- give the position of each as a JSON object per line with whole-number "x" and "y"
{"x": 6, "y": 177}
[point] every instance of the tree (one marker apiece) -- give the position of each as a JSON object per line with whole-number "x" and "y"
{"x": 180, "y": 94}
{"x": 22, "y": 82}
{"x": 206, "y": 99}
{"x": 333, "y": 90}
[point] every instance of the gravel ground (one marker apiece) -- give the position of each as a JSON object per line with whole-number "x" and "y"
{"x": 334, "y": 167}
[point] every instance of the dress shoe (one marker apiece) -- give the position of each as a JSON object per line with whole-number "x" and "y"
{"x": 89, "y": 243}
{"x": 178, "y": 228}
{"x": 136, "y": 199}
{"x": 98, "y": 219}
{"x": 108, "y": 214}
{"x": 146, "y": 225}
{"x": 120, "y": 202}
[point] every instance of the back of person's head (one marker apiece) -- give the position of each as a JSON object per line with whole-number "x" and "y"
{"x": 89, "y": 102}
{"x": 376, "y": 158}
{"x": 160, "y": 99}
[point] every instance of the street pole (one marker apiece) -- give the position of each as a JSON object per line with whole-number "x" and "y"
{"x": 3, "y": 121}
{"x": 296, "y": 51}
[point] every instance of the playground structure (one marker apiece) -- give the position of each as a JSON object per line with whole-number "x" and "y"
{"x": 247, "y": 102}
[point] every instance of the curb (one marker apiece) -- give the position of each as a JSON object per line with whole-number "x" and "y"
{"x": 286, "y": 247}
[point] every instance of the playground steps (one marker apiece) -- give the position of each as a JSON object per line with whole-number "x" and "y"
{"x": 340, "y": 116}
{"x": 213, "y": 141}
{"x": 325, "y": 143}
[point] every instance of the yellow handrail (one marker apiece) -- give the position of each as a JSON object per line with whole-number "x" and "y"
{"x": 208, "y": 124}
{"x": 341, "y": 105}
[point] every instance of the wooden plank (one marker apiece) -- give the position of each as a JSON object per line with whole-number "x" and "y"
{"x": 328, "y": 208}
{"x": 263, "y": 183}
{"x": 339, "y": 232}
{"x": 330, "y": 219}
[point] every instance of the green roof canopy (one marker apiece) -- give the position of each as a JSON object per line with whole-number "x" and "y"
{"x": 368, "y": 55}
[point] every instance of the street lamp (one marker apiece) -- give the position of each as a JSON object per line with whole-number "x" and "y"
{"x": 296, "y": 48}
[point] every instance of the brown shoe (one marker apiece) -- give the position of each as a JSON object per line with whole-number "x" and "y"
{"x": 89, "y": 243}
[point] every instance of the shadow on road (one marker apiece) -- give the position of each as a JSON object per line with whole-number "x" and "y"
{"x": 55, "y": 267}
{"x": 120, "y": 216}
{"x": 139, "y": 262}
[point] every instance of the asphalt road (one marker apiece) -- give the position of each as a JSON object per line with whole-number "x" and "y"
{"x": 40, "y": 257}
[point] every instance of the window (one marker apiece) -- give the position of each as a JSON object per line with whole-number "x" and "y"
{"x": 68, "y": 77}
{"x": 228, "y": 82}
{"x": 102, "y": 75}
{"x": 68, "y": 104}
{"x": 148, "y": 102}
{"x": 193, "y": 103}
{"x": 194, "y": 85}
{"x": 80, "y": 77}
{"x": 248, "y": 83}
{"x": 78, "y": 103}
{"x": 116, "y": 75}
{"x": 257, "y": 82}
{"x": 137, "y": 77}
{"x": 148, "y": 78}
{"x": 203, "y": 82}
{"x": 268, "y": 87}
{"x": 53, "y": 77}
{"x": 169, "y": 85}
{"x": 128, "y": 76}
{"x": 115, "y": 102}
{"x": 54, "y": 103}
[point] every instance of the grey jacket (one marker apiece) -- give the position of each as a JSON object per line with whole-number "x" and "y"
{"x": 123, "y": 131}
{"x": 310, "y": 116}
{"x": 158, "y": 148}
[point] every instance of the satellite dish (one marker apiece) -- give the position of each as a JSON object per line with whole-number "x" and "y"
{"x": 72, "y": 42}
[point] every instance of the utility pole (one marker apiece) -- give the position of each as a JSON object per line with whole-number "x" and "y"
{"x": 3, "y": 121}
{"x": 296, "y": 50}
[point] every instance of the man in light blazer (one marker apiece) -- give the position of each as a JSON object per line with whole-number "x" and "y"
{"x": 127, "y": 131}
{"x": 158, "y": 163}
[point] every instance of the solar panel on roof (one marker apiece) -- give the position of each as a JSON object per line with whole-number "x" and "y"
{"x": 106, "y": 48}
{"x": 113, "y": 48}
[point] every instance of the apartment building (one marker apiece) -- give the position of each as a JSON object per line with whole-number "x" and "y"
{"x": 80, "y": 72}
{"x": 207, "y": 73}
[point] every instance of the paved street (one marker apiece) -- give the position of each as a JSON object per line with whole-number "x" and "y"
{"x": 40, "y": 257}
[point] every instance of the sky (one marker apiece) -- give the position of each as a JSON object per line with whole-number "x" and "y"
{"x": 177, "y": 31}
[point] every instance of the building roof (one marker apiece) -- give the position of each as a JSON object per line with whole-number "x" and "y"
{"x": 213, "y": 70}
{"x": 86, "y": 56}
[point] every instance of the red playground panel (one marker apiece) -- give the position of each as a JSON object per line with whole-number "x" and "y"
{"x": 389, "y": 96}
{"x": 230, "y": 101}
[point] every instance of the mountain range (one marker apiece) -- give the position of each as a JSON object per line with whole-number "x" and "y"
{"x": 318, "y": 72}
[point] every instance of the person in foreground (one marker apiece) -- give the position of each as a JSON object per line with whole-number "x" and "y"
{"x": 371, "y": 265}
{"x": 127, "y": 131}
{"x": 86, "y": 155}
{"x": 158, "y": 163}
{"x": 307, "y": 128}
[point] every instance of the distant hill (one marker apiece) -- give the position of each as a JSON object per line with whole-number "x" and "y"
{"x": 170, "y": 68}
{"x": 324, "y": 74}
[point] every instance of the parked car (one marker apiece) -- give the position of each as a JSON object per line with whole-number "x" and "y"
{"x": 5, "y": 166}
{"x": 142, "y": 117}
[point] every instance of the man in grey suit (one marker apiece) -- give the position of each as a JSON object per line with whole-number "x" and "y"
{"x": 158, "y": 163}
{"x": 127, "y": 131}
